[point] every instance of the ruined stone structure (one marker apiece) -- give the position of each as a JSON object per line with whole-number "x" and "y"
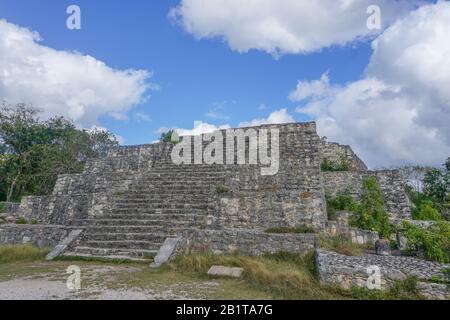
{"x": 129, "y": 202}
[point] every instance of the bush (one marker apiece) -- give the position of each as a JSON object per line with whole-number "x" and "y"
{"x": 2, "y": 207}
{"x": 343, "y": 201}
{"x": 434, "y": 241}
{"x": 370, "y": 213}
{"x": 427, "y": 211}
{"x": 170, "y": 137}
{"x": 34, "y": 221}
{"x": 330, "y": 165}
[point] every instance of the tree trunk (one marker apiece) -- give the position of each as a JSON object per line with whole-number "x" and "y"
{"x": 11, "y": 188}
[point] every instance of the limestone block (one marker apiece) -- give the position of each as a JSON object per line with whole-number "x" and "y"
{"x": 225, "y": 271}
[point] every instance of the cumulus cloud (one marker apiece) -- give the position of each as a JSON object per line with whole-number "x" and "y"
{"x": 276, "y": 117}
{"x": 62, "y": 82}
{"x": 287, "y": 26}
{"x": 400, "y": 111}
{"x": 200, "y": 127}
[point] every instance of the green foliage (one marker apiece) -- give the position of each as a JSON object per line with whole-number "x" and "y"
{"x": 2, "y": 207}
{"x": 370, "y": 213}
{"x": 21, "y": 220}
{"x": 170, "y": 137}
{"x": 34, "y": 152}
{"x": 222, "y": 189}
{"x": 426, "y": 211}
{"x": 433, "y": 241}
{"x": 329, "y": 165}
{"x": 343, "y": 201}
{"x": 299, "y": 229}
{"x": 34, "y": 221}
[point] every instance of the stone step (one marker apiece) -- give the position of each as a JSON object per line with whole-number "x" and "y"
{"x": 159, "y": 205}
{"x": 123, "y": 244}
{"x": 114, "y": 252}
{"x": 197, "y": 216}
{"x": 152, "y": 237}
{"x": 164, "y": 212}
{"x": 106, "y": 257}
{"x": 134, "y": 229}
{"x": 191, "y": 196}
{"x": 130, "y": 222}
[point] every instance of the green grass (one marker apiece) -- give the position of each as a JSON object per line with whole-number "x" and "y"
{"x": 14, "y": 253}
{"x": 300, "y": 229}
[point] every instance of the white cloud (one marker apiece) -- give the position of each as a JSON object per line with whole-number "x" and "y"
{"x": 62, "y": 82}
{"x": 308, "y": 89}
{"x": 201, "y": 127}
{"x": 142, "y": 117}
{"x": 216, "y": 112}
{"x": 400, "y": 111}
{"x": 284, "y": 26}
{"x": 276, "y": 117}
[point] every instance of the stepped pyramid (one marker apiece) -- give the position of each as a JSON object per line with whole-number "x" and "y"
{"x": 130, "y": 201}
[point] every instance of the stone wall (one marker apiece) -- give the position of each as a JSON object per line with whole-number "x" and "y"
{"x": 39, "y": 235}
{"x": 356, "y": 235}
{"x": 10, "y": 208}
{"x": 391, "y": 183}
{"x": 250, "y": 242}
{"x": 349, "y": 271}
{"x": 335, "y": 152}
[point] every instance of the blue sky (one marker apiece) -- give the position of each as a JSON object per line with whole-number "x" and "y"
{"x": 210, "y": 80}
{"x": 194, "y": 76}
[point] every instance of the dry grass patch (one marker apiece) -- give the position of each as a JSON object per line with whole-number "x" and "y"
{"x": 14, "y": 253}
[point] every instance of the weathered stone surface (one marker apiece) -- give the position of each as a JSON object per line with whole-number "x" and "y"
{"x": 349, "y": 271}
{"x": 42, "y": 236}
{"x": 64, "y": 244}
{"x": 356, "y": 235}
{"x": 251, "y": 242}
{"x": 382, "y": 247}
{"x": 165, "y": 252}
{"x": 222, "y": 271}
{"x": 391, "y": 183}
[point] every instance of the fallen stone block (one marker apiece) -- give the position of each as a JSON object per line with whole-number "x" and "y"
{"x": 225, "y": 271}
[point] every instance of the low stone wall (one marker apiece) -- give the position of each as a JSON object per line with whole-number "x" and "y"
{"x": 356, "y": 235}
{"x": 10, "y": 208}
{"x": 47, "y": 236}
{"x": 250, "y": 242}
{"x": 349, "y": 271}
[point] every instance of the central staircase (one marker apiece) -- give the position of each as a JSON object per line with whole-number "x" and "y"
{"x": 163, "y": 203}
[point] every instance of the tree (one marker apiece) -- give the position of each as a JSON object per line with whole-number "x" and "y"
{"x": 34, "y": 152}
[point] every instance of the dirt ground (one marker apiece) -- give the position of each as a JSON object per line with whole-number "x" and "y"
{"x": 99, "y": 281}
